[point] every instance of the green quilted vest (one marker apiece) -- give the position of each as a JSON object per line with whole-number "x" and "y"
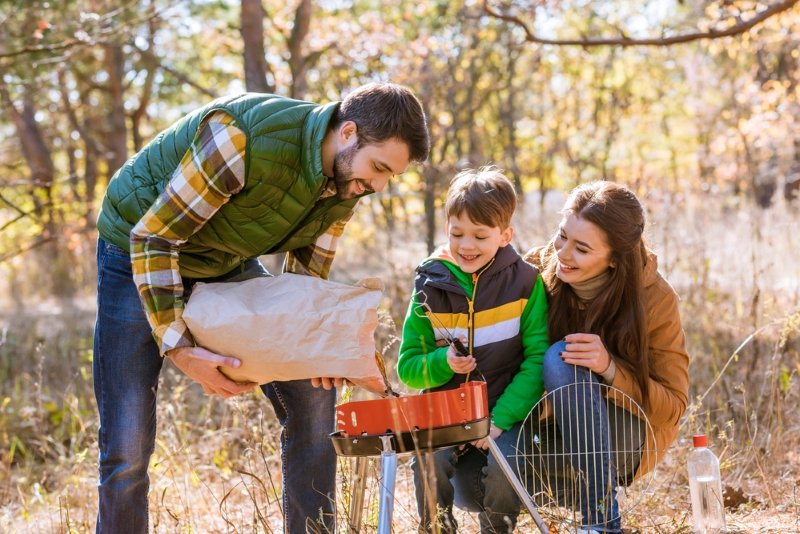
{"x": 277, "y": 210}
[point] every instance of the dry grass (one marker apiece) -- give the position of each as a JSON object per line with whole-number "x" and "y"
{"x": 216, "y": 468}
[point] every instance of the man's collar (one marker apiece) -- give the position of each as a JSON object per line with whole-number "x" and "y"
{"x": 330, "y": 189}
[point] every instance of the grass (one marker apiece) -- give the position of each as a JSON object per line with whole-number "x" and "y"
{"x": 216, "y": 466}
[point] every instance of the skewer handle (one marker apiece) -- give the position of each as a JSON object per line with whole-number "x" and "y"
{"x": 460, "y": 348}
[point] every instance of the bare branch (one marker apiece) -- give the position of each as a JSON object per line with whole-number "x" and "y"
{"x": 181, "y": 77}
{"x": 22, "y": 250}
{"x": 53, "y": 47}
{"x": 740, "y": 27}
{"x": 22, "y": 215}
{"x": 13, "y": 206}
{"x": 100, "y": 31}
{"x": 313, "y": 57}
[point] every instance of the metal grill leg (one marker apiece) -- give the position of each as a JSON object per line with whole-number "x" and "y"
{"x": 517, "y": 485}
{"x": 388, "y": 476}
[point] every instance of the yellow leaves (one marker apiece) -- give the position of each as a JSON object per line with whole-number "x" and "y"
{"x": 194, "y": 479}
{"x": 55, "y": 414}
{"x": 785, "y": 379}
{"x": 221, "y": 459}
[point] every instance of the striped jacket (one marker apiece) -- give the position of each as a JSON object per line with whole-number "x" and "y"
{"x": 501, "y": 311}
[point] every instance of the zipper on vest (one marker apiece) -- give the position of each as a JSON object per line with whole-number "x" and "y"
{"x": 471, "y": 307}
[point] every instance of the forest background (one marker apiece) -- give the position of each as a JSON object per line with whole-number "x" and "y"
{"x": 692, "y": 103}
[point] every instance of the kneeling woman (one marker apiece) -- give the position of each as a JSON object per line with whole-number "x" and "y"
{"x": 613, "y": 319}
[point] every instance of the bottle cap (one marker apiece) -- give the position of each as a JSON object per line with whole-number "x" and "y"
{"x": 700, "y": 440}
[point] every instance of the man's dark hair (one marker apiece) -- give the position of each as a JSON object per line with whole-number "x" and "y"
{"x": 384, "y": 111}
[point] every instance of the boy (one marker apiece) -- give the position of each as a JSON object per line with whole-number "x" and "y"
{"x": 477, "y": 288}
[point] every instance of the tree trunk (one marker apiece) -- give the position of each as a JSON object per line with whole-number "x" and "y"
{"x": 431, "y": 175}
{"x": 509, "y": 117}
{"x": 34, "y": 149}
{"x": 92, "y": 151}
{"x": 255, "y": 62}
{"x": 297, "y": 61}
{"x": 117, "y": 136}
{"x": 147, "y": 87}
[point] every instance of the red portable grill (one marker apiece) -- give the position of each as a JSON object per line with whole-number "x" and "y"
{"x": 384, "y": 427}
{"x": 424, "y": 421}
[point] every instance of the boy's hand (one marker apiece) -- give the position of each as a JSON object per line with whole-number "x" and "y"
{"x": 483, "y": 443}
{"x": 460, "y": 364}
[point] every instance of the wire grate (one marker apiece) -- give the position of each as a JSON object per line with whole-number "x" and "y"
{"x": 570, "y": 468}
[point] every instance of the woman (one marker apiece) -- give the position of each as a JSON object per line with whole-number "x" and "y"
{"x": 613, "y": 319}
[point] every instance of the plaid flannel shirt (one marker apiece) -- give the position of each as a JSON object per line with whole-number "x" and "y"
{"x": 210, "y": 172}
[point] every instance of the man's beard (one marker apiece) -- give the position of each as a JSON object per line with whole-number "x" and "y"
{"x": 343, "y": 171}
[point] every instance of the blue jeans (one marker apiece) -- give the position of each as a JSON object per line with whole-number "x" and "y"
{"x": 582, "y": 417}
{"x": 471, "y": 479}
{"x": 126, "y": 368}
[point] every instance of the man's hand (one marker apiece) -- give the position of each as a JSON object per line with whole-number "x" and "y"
{"x": 483, "y": 443}
{"x": 329, "y": 383}
{"x": 202, "y": 366}
{"x": 586, "y": 350}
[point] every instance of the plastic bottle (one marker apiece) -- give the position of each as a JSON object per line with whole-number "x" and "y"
{"x": 705, "y": 486}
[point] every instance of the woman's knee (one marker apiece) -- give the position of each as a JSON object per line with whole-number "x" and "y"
{"x": 556, "y": 373}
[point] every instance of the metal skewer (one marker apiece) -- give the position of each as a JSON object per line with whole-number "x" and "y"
{"x": 451, "y": 339}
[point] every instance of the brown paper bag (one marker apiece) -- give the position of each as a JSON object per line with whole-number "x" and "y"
{"x": 290, "y": 327}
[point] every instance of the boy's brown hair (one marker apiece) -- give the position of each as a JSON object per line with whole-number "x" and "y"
{"x": 484, "y": 194}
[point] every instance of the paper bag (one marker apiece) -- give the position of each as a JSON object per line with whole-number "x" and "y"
{"x": 290, "y": 327}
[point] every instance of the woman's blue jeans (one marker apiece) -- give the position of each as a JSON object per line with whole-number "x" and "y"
{"x": 582, "y": 417}
{"x": 126, "y": 368}
{"x": 471, "y": 479}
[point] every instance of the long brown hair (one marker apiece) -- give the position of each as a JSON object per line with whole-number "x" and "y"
{"x": 617, "y": 313}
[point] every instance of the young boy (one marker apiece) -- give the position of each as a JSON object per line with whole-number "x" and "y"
{"x": 476, "y": 288}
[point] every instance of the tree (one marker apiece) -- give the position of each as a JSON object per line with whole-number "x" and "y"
{"x": 256, "y": 67}
{"x": 730, "y": 23}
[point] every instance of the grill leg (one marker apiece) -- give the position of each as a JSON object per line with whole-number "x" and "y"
{"x": 358, "y": 487}
{"x": 388, "y": 475}
{"x": 522, "y": 493}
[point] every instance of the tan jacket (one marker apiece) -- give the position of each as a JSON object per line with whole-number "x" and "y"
{"x": 669, "y": 364}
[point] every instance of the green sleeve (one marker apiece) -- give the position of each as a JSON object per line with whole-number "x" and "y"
{"x": 527, "y": 386}
{"x": 421, "y": 363}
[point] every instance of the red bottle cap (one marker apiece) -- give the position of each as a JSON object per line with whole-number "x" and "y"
{"x": 700, "y": 440}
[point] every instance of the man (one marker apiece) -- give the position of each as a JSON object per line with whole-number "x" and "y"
{"x": 241, "y": 177}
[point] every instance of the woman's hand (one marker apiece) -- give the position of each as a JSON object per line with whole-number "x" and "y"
{"x": 586, "y": 350}
{"x": 460, "y": 364}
